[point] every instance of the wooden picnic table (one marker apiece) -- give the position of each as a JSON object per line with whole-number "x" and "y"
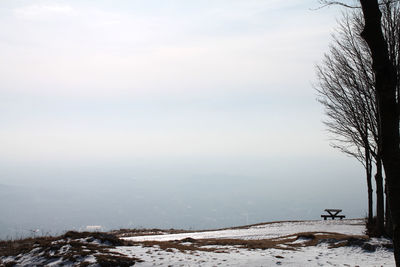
{"x": 333, "y": 213}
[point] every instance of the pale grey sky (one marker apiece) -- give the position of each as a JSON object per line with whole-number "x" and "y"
{"x": 84, "y": 79}
{"x": 161, "y": 87}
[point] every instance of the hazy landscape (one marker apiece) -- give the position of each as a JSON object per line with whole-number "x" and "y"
{"x": 185, "y": 199}
{"x": 182, "y": 133}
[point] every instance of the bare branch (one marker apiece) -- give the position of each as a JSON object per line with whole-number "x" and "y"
{"x": 327, "y": 3}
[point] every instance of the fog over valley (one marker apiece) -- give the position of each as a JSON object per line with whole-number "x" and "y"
{"x": 164, "y": 195}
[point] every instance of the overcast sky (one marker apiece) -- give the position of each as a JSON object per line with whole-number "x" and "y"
{"x": 121, "y": 79}
{"x": 226, "y": 84}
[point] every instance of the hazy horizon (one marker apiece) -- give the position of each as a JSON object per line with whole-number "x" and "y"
{"x": 166, "y": 114}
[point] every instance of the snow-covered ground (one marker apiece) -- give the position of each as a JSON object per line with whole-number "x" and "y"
{"x": 302, "y": 243}
{"x": 319, "y": 255}
{"x": 269, "y": 230}
{"x": 309, "y": 256}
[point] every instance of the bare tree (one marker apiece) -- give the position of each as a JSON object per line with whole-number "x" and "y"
{"x": 346, "y": 90}
{"x": 386, "y": 86}
{"x": 388, "y": 103}
{"x": 391, "y": 30}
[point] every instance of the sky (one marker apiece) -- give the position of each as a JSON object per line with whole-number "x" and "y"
{"x": 168, "y": 94}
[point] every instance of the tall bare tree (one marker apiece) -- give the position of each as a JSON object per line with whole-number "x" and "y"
{"x": 350, "y": 57}
{"x": 390, "y": 21}
{"x": 388, "y": 103}
{"x": 346, "y": 90}
{"x": 386, "y": 80}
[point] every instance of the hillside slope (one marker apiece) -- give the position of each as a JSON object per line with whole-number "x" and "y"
{"x": 300, "y": 243}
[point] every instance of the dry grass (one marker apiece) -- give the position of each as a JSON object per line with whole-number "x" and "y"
{"x": 145, "y": 232}
{"x": 72, "y": 247}
{"x": 107, "y": 238}
{"x": 283, "y": 243}
{"x": 106, "y": 260}
{"x": 15, "y": 247}
{"x": 75, "y": 247}
{"x": 156, "y": 231}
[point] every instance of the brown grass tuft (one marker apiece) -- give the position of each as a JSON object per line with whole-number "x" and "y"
{"x": 282, "y": 243}
{"x": 72, "y": 247}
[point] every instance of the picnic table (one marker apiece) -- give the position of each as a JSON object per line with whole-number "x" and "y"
{"x": 333, "y": 213}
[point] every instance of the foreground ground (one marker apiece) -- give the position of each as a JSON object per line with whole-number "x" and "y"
{"x": 302, "y": 243}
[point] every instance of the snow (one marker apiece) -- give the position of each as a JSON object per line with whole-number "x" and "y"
{"x": 319, "y": 255}
{"x": 309, "y": 256}
{"x": 294, "y": 252}
{"x": 269, "y": 230}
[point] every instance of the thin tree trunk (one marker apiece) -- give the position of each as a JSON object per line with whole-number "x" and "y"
{"x": 368, "y": 169}
{"x": 385, "y": 84}
{"x": 380, "y": 206}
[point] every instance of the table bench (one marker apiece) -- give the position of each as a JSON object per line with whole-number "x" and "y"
{"x": 333, "y": 213}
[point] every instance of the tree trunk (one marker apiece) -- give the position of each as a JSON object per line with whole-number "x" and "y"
{"x": 388, "y": 218}
{"x": 380, "y": 206}
{"x": 385, "y": 84}
{"x": 368, "y": 169}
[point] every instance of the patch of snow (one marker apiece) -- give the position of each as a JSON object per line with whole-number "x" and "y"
{"x": 57, "y": 262}
{"x": 89, "y": 259}
{"x": 64, "y": 249}
{"x": 319, "y": 255}
{"x": 269, "y": 230}
{"x": 300, "y": 240}
{"x": 379, "y": 241}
